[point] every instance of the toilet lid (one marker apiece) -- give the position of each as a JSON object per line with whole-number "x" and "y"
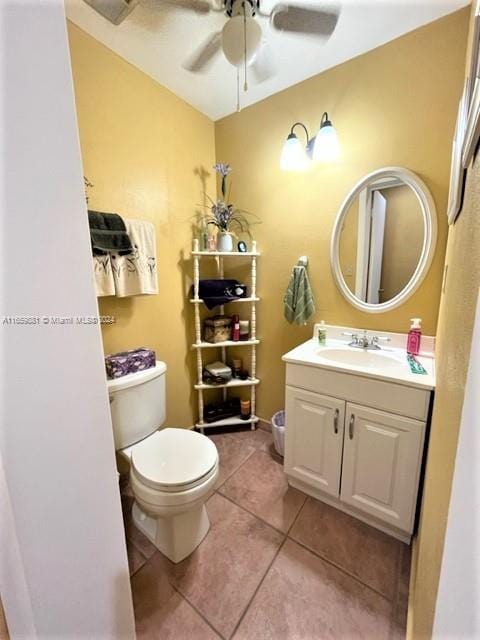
{"x": 173, "y": 457}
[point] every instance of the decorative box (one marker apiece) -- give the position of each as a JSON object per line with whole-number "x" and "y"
{"x": 119, "y": 364}
{"x": 217, "y": 329}
{"x": 217, "y": 373}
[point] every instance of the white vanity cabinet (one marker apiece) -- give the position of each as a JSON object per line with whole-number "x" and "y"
{"x": 382, "y": 455}
{"x": 356, "y": 443}
{"x": 314, "y": 448}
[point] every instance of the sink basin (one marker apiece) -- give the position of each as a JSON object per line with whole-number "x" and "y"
{"x": 360, "y": 358}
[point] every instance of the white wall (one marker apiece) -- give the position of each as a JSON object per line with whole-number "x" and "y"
{"x": 63, "y": 564}
{"x": 457, "y": 612}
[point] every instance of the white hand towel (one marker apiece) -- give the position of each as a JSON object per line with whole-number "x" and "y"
{"x": 103, "y": 274}
{"x": 136, "y": 273}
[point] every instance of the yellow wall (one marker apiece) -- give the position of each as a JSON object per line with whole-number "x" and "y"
{"x": 455, "y": 326}
{"x": 395, "y": 105}
{"x": 142, "y": 147}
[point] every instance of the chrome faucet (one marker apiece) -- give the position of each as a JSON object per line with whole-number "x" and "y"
{"x": 363, "y": 341}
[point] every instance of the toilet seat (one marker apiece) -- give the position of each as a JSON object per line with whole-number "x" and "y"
{"x": 174, "y": 460}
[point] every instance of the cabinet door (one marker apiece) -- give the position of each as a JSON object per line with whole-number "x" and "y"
{"x": 382, "y": 456}
{"x": 314, "y": 439}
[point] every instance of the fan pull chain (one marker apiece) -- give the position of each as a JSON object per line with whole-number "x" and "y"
{"x": 238, "y": 90}
{"x": 245, "y": 84}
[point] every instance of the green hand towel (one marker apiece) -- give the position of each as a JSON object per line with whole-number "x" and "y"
{"x": 299, "y": 304}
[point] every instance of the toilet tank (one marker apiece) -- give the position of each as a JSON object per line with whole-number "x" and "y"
{"x": 137, "y": 404}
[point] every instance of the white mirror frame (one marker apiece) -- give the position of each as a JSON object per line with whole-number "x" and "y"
{"x": 429, "y": 216}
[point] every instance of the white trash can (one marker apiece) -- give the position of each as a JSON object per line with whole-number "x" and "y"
{"x": 278, "y": 432}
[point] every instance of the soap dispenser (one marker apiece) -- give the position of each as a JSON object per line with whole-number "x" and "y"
{"x": 414, "y": 337}
{"x": 322, "y": 334}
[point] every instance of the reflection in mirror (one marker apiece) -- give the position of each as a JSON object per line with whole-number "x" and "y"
{"x": 381, "y": 240}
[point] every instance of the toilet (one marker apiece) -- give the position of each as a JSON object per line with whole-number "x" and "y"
{"x": 172, "y": 471}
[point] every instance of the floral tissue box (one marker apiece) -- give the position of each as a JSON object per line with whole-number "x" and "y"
{"x": 119, "y": 364}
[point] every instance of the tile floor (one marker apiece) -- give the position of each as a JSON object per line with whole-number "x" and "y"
{"x": 275, "y": 565}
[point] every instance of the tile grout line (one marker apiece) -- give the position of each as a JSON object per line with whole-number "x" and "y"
{"x": 298, "y": 514}
{"x": 284, "y": 533}
{"x": 255, "y": 449}
{"x": 247, "y": 607}
{"x": 391, "y": 600}
{"x": 341, "y": 569}
{"x": 237, "y": 468}
{"x": 138, "y": 568}
{"x": 257, "y": 517}
{"x": 202, "y": 616}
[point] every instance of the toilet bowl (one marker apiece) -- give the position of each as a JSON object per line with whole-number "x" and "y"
{"x": 172, "y": 474}
{"x": 172, "y": 471}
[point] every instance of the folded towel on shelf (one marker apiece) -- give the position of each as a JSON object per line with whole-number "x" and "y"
{"x": 108, "y": 233}
{"x": 299, "y": 303}
{"x": 136, "y": 273}
{"x": 219, "y": 291}
{"x": 103, "y": 274}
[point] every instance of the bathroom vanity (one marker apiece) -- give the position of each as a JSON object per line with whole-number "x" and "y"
{"x": 356, "y": 424}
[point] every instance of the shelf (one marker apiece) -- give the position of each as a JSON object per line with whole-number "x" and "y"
{"x": 199, "y": 301}
{"x": 224, "y": 254}
{"x": 226, "y": 343}
{"x": 226, "y": 422}
{"x": 227, "y": 385}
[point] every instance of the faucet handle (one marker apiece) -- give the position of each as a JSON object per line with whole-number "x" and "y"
{"x": 377, "y": 339}
{"x": 353, "y": 336}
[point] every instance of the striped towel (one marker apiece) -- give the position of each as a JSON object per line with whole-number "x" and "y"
{"x": 298, "y": 302}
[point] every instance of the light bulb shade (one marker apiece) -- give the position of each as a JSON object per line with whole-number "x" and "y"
{"x": 236, "y": 32}
{"x": 294, "y": 157}
{"x": 326, "y": 147}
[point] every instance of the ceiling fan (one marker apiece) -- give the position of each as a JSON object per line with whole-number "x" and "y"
{"x": 242, "y": 38}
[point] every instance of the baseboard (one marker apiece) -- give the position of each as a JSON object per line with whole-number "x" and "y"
{"x": 263, "y": 424}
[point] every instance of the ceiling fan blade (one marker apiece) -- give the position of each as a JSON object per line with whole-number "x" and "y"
{"x": 263, "y": 67}
{"x": 302, "y": 19}
{"x": 199, "y": 6}
{"x": 201, "y": 60}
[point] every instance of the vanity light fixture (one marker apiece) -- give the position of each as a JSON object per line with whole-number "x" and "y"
{"x": 326, "y": 147}
{"x": 323, "y": 147}
{"x": 294, "y": 155}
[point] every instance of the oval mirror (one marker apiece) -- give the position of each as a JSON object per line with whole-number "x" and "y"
{"x": 383, "y": 239}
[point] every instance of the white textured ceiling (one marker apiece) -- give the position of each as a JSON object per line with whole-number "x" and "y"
{"x": 158, "y": 37}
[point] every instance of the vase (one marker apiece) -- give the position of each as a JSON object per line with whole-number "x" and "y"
{"x": 224, "y": 241}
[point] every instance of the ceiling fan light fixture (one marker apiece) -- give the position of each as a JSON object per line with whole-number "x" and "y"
{"x": 326, "y": 147}
{"x": 241, "y": 35}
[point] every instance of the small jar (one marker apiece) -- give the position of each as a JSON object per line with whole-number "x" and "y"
{"x": 237, "y": 367}
{"x": 245, "y": 409}
{"x": 244, "y": 329}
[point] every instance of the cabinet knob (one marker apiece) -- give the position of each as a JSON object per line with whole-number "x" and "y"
{"x": 351, "y": 424}
{"x": 335, "y": 420}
